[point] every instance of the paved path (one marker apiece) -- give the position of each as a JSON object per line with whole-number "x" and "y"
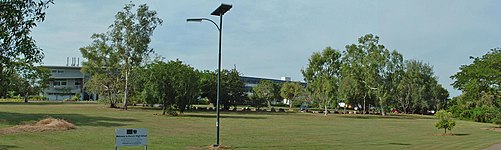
{"x": 494, "y": 147}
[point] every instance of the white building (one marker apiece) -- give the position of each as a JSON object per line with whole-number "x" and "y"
{"x": 66, "y": 82}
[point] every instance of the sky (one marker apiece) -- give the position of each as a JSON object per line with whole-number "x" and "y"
{"x": 275, "y": 38}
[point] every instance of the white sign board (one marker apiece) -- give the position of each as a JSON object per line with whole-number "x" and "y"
{"x": 131, "y": 137}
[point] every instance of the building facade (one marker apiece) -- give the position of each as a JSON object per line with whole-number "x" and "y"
{"x": 67, "y": 82}
{"x": 251, "y": 82}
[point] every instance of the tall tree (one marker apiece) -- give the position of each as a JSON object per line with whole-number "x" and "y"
{"x": 373, "y": 65}
{"x": 232, "y": 88}
{"x": 482, "y": 76}
{"x": 353, "y": 89}
{"x": 267, "y": 90}
{"x": 417, "y": 89}
{"x": 17, "y": 47}
{"x": 480, "y": 84}
{"x": 322, "y": 76}
{"x": 127, "y": 40}
{"x": 104, "y": 67}
{"x": 291, "y": 91}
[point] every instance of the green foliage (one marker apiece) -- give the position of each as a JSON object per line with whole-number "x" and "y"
{"x": 418, "y": 89}
{"x": 256, "y": 101}
{"x": 482, "y": 76}
{"x": 367, "y": 73}
{"x": 291, "y": 91}
{"x": 232, "y": 88}
{"x": 17, "y": 47}
{"x": 445, "y": 120}
{"x": 266, "y": 91}
{"x": 480, "y": 85}
{"x": 173, "y": 84}
{"x": 322, "y": 76}
{"x": 76, "y": 97}
{"x": 114, "y": 55}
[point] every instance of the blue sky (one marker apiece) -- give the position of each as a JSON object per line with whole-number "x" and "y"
{"x": 275, "y": 38}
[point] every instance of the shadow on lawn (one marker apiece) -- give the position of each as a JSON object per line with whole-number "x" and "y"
{"x": 6, "y": 147}
{"x": 403, "y": 144}
{"x": 385, "y": 117}
{"x": 221, "y": 116}
{"x": 41, "y": 103}
{"x": 77, "y": 119}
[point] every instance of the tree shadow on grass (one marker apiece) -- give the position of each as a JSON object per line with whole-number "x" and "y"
{"x": 10, "y": 118}
{"x": 461, "y": 134}
{"x": 221, "y": 116}
{"x": 41, "y": 103}
{"x": 385, "y": 117}
{"x": 6, "y": 147}
{"x": 403, "y": 144}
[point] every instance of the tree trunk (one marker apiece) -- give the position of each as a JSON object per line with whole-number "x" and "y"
{"x": 126, "y": 87}
{"x": 164, "y": 107}
{"x": 365, "y": 95}
{"x": 445, "y": 130}
{"x": 3, "y": 93}
{"x": 290, "y": 105}
{"x": 382, "y": 111}
{"x": 26, "y": 97}
{"x": 325, "y": 111}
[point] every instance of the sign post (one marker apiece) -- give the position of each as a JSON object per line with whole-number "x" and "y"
{"x": 131, "y": 137}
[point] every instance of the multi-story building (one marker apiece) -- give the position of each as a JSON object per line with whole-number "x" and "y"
{"x": 251, "y": 82}
{"x": 67, "y": 82}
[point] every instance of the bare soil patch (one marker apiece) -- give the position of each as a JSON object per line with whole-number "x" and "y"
{"x": 48, "y": 124}
{"x": 498, "y": 129}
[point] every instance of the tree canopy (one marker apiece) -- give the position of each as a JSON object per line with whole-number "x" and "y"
{"x": 173, "y": 84}
{"x": 114, "y": 55}
{"x": 291, "y": 91}
{"x": 322, "y": 76}
{"x": 368, "y": 74}
{"x": 232, "y": 88}
{"x": 480, "y": 85}
{"x": 266, "y": 91}
{"x": 17, "y": 47}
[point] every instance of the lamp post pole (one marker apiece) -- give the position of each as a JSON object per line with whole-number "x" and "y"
{"x": 218, "y": 12}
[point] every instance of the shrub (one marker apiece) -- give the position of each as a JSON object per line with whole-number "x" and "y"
{"x": 76, "y": 97}
{"x": 445, "y": 120}
{"x": 485, "y": 114}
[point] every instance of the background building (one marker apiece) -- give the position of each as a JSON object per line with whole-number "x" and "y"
{"x": 66, "y": 82}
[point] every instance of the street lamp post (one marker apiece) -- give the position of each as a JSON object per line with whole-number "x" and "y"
{"x": 223, "y": 8}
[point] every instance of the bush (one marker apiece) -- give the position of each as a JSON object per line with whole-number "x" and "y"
{"x": 485, "y": 114}
{"x": 76, "y": 97}
{"x": 455, "y": 110}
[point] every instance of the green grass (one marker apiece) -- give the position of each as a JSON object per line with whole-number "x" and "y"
{"x": 250, "y": 130}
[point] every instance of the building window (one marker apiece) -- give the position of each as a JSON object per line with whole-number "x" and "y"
{"x": 58, "y": 71}
{"x": 59, "y": 83}
{"x": 77, "y": 82}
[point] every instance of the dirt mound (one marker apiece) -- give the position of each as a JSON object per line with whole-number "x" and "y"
{"x": 48, "y": 124}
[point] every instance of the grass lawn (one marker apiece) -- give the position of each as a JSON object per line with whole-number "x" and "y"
{"x": 252, "y": 130}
